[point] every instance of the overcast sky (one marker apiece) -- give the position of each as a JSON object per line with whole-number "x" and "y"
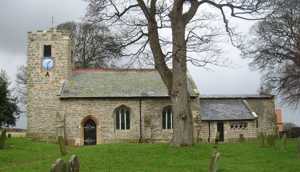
{"x": 17, "y": 17}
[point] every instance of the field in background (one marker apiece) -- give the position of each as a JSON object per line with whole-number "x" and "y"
{"x": 24, "y": 155}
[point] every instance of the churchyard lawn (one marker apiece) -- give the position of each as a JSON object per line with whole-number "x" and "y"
{"x": 25, "y": 155}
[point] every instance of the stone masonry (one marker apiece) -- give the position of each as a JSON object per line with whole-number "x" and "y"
{"x": 50, "y": 115}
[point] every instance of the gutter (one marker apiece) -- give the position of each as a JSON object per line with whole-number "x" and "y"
{"x": 141, "y": 133}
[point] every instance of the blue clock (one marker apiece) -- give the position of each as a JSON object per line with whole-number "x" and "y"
{"x": 48, "y": 63}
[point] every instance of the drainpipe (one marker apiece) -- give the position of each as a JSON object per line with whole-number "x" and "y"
{"x": 208, "y": 131}
{"x": 141, "y": 134}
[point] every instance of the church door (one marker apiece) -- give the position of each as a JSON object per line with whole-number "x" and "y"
{"x": 220, "y": 129}
{"x": 90, "y": 132}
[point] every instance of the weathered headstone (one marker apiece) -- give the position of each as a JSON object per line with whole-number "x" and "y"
{"x": 58, "y": 166}
{"x": 74, "y": 164}
{"x": 62, "y": 145}
{"x": 213, "y": 164}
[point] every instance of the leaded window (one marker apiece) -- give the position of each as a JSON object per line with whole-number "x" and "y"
{"x": 123, "y": 118}
{"x": 167, "y": 118}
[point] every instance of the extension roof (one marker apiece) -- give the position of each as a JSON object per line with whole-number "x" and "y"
{"x": 117, "y": 83}
{"x": 222, "y": 109}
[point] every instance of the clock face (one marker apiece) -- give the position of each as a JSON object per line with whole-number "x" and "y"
{"x": 48, "y": 63}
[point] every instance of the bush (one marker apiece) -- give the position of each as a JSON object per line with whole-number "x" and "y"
{"x": 2, "y": 139}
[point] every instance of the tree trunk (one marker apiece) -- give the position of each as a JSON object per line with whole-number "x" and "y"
{"x": 175, "y": 79}
{"x": 182, "y": 115}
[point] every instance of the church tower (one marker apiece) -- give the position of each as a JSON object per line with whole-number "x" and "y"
{"x": 49, "y": 64}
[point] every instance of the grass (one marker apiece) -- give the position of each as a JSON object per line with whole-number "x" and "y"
{"x": 24, "y": 155}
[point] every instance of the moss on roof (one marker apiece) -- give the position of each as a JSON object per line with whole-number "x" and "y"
{"x": 118, "y": 83}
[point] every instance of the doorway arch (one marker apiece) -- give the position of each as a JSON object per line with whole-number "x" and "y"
{"x": 89, "y": 132}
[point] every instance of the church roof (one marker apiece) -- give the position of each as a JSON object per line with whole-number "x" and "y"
{"x": 217, "y": 109}
{"x": 110, "y": 83}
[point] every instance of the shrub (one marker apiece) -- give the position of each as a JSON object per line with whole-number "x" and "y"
{"x": 2, "y": 139}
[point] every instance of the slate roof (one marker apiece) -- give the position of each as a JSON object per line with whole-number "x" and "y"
{"x": 117, "y": 83}
{"x": 216, "y": 109}
{"x": 244, "y": 96}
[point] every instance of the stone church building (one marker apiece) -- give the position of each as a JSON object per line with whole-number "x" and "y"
{"x": 94, "y": 106}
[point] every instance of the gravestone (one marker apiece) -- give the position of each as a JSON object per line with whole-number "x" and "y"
{"x": 74, "y": 164}
{"x": 213, "y": 164}
{"x": 58, "y": 166}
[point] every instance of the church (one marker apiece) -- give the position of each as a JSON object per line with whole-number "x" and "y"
{"x": 94, "y": 106}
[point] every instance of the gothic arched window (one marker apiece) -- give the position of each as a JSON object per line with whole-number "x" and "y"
{"x": 122, "y": 118}
{"x": 167, "y": 118}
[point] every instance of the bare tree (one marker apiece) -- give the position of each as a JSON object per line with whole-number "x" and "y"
{"x": 190, "y": 34}
{"x": 275, "y": 50}
{"x": 20, "y": 89}
{"x": 95, "y": 46}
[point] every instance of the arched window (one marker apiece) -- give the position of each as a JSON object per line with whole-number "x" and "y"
{"x": 122, "y": 118}
{"x": 167, "y": 118}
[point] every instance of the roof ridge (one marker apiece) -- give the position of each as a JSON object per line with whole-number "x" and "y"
{"x": 113, "y": 69}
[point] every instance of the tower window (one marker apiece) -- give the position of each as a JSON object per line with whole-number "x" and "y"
{"x": 47, "y": 50}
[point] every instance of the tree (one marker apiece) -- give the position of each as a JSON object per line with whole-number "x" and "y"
{"x": 20, "y": 88}
{"x": 287, "y": 126}
{"x": 275, "y": 50}
{"x": 94, "y": 45}
{"x": 9, "y": 110}
{"x": 188, "y": 23}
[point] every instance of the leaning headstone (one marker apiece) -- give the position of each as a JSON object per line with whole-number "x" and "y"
{"x": 74, "y": 164}
{"x": 2, "y": 139}
{"x": 213, "y": 164}
{"x": 62, "y": 145}
{"x": 58, "y": 166}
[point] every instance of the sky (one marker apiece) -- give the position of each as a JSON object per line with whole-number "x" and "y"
{"x": 18, "y": 17}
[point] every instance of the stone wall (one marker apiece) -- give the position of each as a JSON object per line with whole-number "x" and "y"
{"x": 102, "y": 111}
{"x": 43, "y": 101}
{"x": 265, "y": 109}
